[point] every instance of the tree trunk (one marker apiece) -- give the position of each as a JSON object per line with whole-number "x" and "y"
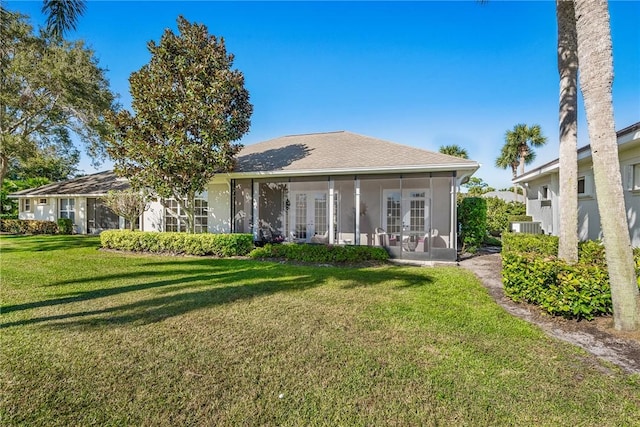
{"x": 568, "y": 159}
{"x": 189, "y": 208}
{"x": 596, "y": 77}
{"x": 4, "y": 165}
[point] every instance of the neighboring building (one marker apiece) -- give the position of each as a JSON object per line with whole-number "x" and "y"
{"x": 336, "y": 187}
{"x": 78, "y": 199}
{"x": 542, "y": 189}
{"x": 507, "y": 196}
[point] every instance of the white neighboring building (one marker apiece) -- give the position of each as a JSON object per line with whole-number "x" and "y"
{"x": 542, "y": 189}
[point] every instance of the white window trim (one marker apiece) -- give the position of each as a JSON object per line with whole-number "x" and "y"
{"x": 181, "y": 218}
{"x": 67, "y": 211}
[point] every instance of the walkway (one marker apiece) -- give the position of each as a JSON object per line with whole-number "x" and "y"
{"x": 620, "y": 351}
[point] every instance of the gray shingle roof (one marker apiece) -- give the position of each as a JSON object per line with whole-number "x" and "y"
{"x": 339, "y": 151}
{"x": 95, "y": 184}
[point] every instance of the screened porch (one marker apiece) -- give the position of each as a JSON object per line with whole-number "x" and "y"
{"x": 412, "y": 215}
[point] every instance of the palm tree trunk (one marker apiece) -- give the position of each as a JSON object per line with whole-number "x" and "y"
{"x": 568, "y": 159}
{"x": 596, "y": 77}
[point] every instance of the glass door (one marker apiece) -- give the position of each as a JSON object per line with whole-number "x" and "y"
{"x": 310, "y": 217}
{"x": 415, "y": 221}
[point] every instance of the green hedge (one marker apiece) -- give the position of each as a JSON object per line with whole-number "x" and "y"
{"x": 520, "y": 218}
{"x": 65, "y": 226}
{"x": 531, "y": 272}
{"x": 472, "y": 217}
{"x": 28, "y": 226}
{"x": 499, "y": 213}
{"x": 321, "y": 253}
{"x": 221, "y": 245}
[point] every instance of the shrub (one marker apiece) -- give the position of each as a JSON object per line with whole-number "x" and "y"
{"x": 321, "y": 253}
{"x": 500, "y": 212}
{"x": 520, "y": 218}
{"x": 9, "y": 216}
{"x": 221, "y": 245}
{"x": 530, "y": 243}
{"x": 28, "y": 226}
{"x": 65, "y": 226}
{"x": 531, "y": 272}
{"x": 472, "y": 218}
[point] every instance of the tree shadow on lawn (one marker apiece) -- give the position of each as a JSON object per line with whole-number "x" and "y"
{"x": 214, "y": 287}
{"x": 46, "y": 242}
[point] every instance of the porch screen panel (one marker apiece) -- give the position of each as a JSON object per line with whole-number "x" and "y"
{"x": 321, "y": 214}
{"x": 242, "y": 209}
{"x": 301, "y": 216}
{"x": 380, "y": 218}
{"x": 344, "y": 209}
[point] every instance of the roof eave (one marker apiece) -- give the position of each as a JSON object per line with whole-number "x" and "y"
{"x": 357, "y": 171}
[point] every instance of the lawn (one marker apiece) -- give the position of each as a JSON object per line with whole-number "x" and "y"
{"x": 101, "y": 338}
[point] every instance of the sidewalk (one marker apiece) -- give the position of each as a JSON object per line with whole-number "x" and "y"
{"x": 624, "y": 352}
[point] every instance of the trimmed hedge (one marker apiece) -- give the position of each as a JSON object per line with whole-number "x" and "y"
{"x": 531, "y": 272}
{"x": 221, "y": 245}
{"x": 520, "y": 218}
{"x": 28, "y": 226}
{"x": 472, "y": 217}
{"x": 320, "y": 253}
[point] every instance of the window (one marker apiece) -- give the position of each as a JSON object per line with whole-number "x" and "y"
{"x": 68, "y": 209}
{"x": 636, "y": 177}
{"x": 26, "y": 205}
{"x": 42, "y": 201}
{"x": 175, "y": 219}
{"x": 581, "y": 187}
{"x": 544, "y": 192}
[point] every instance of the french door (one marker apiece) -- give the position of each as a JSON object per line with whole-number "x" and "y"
{"x": 406, "y": 220}
{"x": 309, "y": 215}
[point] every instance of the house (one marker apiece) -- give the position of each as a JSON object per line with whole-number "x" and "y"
{"x": 542, "y": 189}
{"x": 334, "y": 187}
{"x": 78, "y": 199}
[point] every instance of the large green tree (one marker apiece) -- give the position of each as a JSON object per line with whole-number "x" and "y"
{"x": 568, "y": 130}
{"x": 50, "y": 90}
{"x": 518, "y": 148}
{"x": 189, "y": 110}
{"x": 595, "y": 56}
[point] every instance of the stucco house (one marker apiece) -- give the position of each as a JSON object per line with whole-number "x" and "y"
{"x": 542, "y": 189}
{"x": 334, "y": 187}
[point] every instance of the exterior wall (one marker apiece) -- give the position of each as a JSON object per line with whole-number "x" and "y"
{"x": 40, "y": 212}
{"x": 540, "y": 208}
{"x": 153, "y": 218}
{"x": 628, "y": 159}
{"x": 219, "y": 200}
{"x": 588, "y": 213}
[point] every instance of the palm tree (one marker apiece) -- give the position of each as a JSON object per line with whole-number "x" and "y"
{"x": 518, "y": 147}
{"x": 454, "y": 150}
{"x": 568, "y": 156}
{"x": 62, "y": 15}
{"x": 595, "y": 56}
{"x": 508, "y": 158}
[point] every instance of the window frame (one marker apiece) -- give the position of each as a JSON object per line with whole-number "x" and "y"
{"x": 176, "y": 221}
{"x": 69, "y": 213}
{"x": 42, "y": 201}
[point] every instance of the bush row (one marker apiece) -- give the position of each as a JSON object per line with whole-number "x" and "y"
{"x": 321, "y": 253}
{"x": 221, "y": 245}
{"x": 532, "y": 272}
{"x": 28, "y": 226}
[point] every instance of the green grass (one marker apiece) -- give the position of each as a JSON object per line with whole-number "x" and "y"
{"x": 101, "y": 338}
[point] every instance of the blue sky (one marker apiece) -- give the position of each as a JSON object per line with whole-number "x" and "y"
{"x": 424, "y": 74}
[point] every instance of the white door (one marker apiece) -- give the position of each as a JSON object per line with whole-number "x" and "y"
{"x": 406, "y": 219}
{"x": 309, "y": 216}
